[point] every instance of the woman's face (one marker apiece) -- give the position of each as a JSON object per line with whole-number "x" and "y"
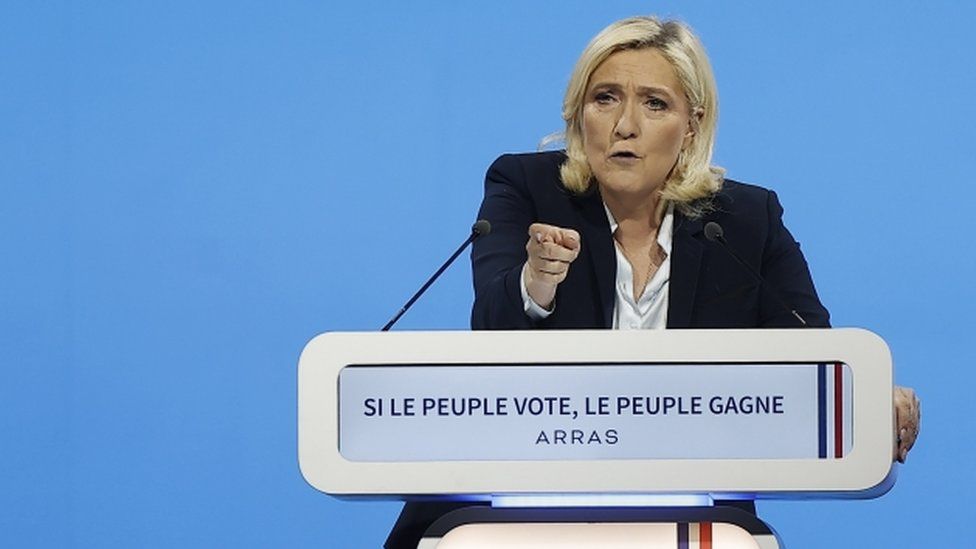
{"x": 635, "y": 122}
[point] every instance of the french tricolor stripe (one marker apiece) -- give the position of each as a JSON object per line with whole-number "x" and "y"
{"x": 833, "y": 410}
{"x": 694, "y": 535}
{"x": 838, "y": 372}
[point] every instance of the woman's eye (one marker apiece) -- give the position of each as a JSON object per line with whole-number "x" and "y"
{"x": 656, "y": 104}
{"x": 603, "y": 98}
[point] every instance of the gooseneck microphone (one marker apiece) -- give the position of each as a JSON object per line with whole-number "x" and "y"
{"x": 481, "y": 227}
{"x": 715, "y": 233}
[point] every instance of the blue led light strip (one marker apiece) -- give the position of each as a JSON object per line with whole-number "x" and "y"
{"x": 602, "y": 500}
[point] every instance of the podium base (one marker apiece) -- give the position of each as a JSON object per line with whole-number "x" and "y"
{"x": 717, "y": 527}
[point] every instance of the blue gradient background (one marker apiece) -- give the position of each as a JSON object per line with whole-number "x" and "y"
{"x": 190, "y": 191}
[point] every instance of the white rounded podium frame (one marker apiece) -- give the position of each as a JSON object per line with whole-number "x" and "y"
{"x": 866, "y": 471}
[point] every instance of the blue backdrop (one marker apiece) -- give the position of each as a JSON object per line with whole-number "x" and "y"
{"x": 190, "y": 191}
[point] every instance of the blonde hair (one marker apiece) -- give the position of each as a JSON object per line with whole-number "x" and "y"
{"x": 693, "y": 179}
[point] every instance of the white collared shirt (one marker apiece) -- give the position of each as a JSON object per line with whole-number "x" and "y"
{"x": 651, "y": 310}
{"x": 648, "y": 312}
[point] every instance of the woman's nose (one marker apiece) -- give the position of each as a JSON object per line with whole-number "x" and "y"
{"x": 627, "y": 126}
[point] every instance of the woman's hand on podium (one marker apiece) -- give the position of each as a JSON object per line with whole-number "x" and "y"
{"x": 908, "y": 415}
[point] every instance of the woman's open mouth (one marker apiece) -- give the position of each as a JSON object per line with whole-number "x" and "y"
{"x": 626, "y": 157}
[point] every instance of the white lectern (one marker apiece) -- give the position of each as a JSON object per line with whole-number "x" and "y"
{"x": 597, "y": 438}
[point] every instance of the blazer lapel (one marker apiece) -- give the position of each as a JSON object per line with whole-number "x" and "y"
{"x": 598, "y": 246}
{"x": 686, "y": 253}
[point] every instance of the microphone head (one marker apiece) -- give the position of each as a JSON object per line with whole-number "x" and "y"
{"x": 481, "y": 227}
{"x": 714, "y": 232}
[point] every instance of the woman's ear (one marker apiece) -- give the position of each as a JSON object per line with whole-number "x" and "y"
{"x": 693, "y": 121}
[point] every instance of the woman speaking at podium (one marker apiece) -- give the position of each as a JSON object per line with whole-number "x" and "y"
{"x": 632, "y": 227}
{"x": 610, "y": 233}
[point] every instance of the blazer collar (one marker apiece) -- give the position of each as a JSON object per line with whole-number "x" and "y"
{"x": 686, "y": 254}
{"x": 598, "y": 246}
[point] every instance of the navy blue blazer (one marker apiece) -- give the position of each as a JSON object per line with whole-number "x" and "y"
{"x": 708, "y": 288}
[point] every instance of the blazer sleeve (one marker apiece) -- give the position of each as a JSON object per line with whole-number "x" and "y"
{"x": 497, "y": 258}
{"x": 785, "y": 269}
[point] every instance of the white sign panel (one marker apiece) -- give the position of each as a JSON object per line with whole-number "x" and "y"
{"x": 625, "y": 412}
{"x": 567, "y": 412}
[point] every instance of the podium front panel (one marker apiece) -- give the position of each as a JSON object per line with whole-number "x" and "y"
{"x": 753, "y": 412}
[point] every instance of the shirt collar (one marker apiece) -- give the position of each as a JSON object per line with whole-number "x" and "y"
{"x": 664, "y": 232}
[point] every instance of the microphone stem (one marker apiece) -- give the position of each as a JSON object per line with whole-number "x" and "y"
{"x": 430, "y": 281}
{"x": 762, "y": 281}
